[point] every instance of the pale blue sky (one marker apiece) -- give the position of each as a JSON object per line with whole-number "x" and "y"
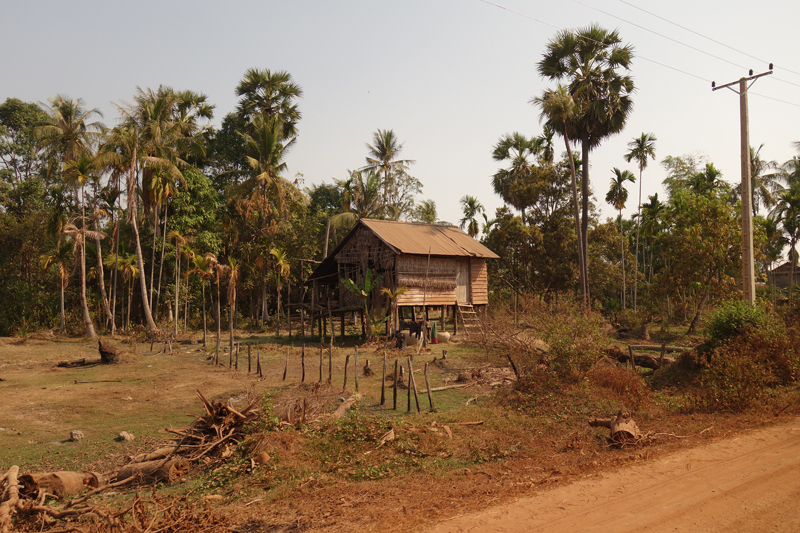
{"x": 448, "y": 76}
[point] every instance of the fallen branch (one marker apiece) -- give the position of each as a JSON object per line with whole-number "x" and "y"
{"x": 479, "y": 423}
{"x": 10, "y": 504}
{"x": 460, "y": 386}
{"x": 89, "y": 494}
{"x": 100, "y": 381}
{"x": 657, "y": 348}
{"x": 347, "y": 404}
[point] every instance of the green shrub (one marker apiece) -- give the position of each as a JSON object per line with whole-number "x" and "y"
{"x": 732, "y": 318}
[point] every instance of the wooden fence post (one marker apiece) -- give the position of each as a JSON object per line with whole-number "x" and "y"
{"x": 237, "y": 357}
{"x": 346, "y": 363}
{"x": 303, "y": 364}
{"x": 394, "y": 391}
{"x": 320, "y": 365}
{"x": 286, "y": 368}
{"x": 383, "y": 380}
{"x": 258, "y": 363}
{"x": 355, "y": 361}
{"x": 249, "y": 359}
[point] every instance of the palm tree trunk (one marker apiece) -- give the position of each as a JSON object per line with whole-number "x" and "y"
{"x": 101, "y": 275}
{"x": 203, "y": 288}
{"x": 63, "y": 315}
{"x": 161, "y": 261}
{"x": 87, "y": 317}
{"x": 219, "y": 325}
{"x": 636, "y": 255}
{"x": 153, "y": 254}
{"x": 232, "y": 312}
{"x": 576, "y": 214}
{"x": 177, "y": 283}
{"x": 585, "y": 209}
{"x": 132, "y": 214}
{"x": 622, "y": 258}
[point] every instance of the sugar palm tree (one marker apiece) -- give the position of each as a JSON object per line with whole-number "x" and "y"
{"x": 471, "y": 208}
{"x": 59, "y": 258}
{"x": 273, "y": 94}
{"x": 640, "y": 150}
{"x": 558, "y": 108}
{"x": 617, "y": 196}
{"x": 591, "y": 60}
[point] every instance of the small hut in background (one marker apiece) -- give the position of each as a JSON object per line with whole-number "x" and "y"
{"x": 440, "y": 266}
{"x": 782, "y": 275}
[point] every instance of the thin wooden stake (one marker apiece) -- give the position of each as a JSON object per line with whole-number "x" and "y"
{"x": 412, "y": 384}
{"x": 346, "y": 363}
{"x": 258, "y": 363}
{"x": 249, "y": 360}
{"x": 408, "y": 407}
{"x": 286, "y": 368}
{"x": 355, "y": 364}
{"x": 330, "y": 361}
{"x": 303, "y": 364}
{"x": 394, "y": 391}
{"x": 383, "y": 380}
{"x": 428, "y": 386}
{"x": 236, "y": 367}
{"x": 320, "y": 364}
{"x": 661, "y": 359}
{"x": 633, "y": 363}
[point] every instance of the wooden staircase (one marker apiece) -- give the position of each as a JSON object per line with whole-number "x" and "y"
{"x": 473, "y": 327}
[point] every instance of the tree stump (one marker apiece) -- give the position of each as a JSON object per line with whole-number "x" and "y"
{"x": 109, "y": 354}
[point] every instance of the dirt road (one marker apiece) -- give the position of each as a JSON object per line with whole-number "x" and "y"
{"x": 741, "y": 484}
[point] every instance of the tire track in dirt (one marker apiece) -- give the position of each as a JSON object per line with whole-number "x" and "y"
{"x": 750, "y": 482}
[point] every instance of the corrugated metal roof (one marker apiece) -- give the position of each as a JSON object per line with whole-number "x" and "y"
{"x": 420, "y": 239}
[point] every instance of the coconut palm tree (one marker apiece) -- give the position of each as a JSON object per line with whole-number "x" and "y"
{"x": 128, "y": 266}
{"x": 559, "y": 110}
{"x": 179, "y": 240}
{"x": 617, "y": 196}
{"x": 787, "y": 210}
{"x": 590, "y": 61}
{"x": 519, "y": 151}
{"x": 70, "y": 131}
{"x": 361, "y": 198}
{"x": 59, "y": 257}
{"x": 471, "y": 208}
{"x": 766, "y": 180}
{"x": 266, "y": 190}
{"x": 202, "y": 269}
{"x": 282, "y": 269}
{"x": 383, "y": 157}
{"x": 234, "y": 273}
{"x": 641, "y": 149}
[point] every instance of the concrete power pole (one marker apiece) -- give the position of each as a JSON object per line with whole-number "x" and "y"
{"x": 748, "y": 266}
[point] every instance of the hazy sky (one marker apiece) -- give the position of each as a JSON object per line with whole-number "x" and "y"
{"x": 448, "y": 76}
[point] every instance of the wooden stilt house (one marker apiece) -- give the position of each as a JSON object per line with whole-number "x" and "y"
{"x": 440, "y": 266}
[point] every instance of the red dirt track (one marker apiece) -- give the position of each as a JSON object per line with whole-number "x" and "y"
{"x": 742, "y": 484}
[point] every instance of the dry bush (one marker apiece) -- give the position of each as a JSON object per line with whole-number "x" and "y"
{"x": 627, "y": 387}
{"x": 555, "y": 334}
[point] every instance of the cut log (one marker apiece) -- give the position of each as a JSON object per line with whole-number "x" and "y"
{"x": 624, "y": 430}
{"x": 155, "y": 455}
{"x": 59, "y": 484}
{"x": 644, "y": 360}
{"x": 11, "y": 494}
{"x": 657, "y": 348}
{"x": 171, "y": 470}
{"x": 109, "y": 354}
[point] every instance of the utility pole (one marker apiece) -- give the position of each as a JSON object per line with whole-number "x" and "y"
{"x": 748, "y": 266}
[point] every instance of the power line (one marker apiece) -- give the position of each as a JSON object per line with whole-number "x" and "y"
{"x": 704, "y": 36}
{"x": 660, "y": 35}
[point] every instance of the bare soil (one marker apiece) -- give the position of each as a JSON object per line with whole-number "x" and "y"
{"x": 336, "y": 477}
{"x": 746, "y": 483}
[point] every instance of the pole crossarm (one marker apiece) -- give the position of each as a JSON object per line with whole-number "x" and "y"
{"x": 737, "y": 82}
